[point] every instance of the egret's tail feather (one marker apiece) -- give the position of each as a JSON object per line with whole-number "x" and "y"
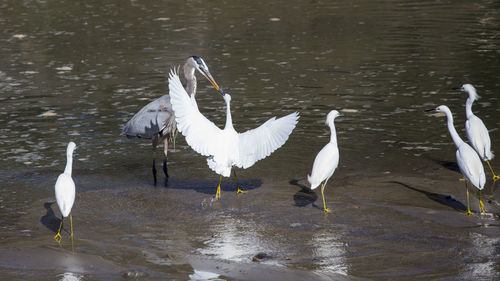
{"x": 313, "y": 184}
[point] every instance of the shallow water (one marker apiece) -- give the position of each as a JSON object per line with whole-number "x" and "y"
{"x": 79, "y": 71}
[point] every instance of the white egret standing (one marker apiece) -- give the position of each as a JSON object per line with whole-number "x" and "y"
{"x": 327, "y": 159}
{"x": 476, "y": 131}
{"x": 65, "y": 192}
{"x": 467, "y": 159}
{"x": 156, "y": 120}
{"x": 226, "y": 148}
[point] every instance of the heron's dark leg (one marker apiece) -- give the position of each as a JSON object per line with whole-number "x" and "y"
{"x": 165, "y": 150}
{"x": 237, "y": 185}
{"x": 155, "y": 144}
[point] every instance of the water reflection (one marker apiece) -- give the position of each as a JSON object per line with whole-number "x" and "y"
{"x": 329, "y": 251}
{"x": 70, "y": 276}
{"x": 234, "y": 240}
{"x": 480, "y": 261}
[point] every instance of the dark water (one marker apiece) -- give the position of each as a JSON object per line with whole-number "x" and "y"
{"x": 78, "y": 70}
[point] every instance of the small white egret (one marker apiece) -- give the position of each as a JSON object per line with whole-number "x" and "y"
{"x": 476, "y": 131}
{"x": 156, "y": 120}
{"x": 467, "y": 159}
{"x": 65, "y": 192}
{"x": 327, "y": 159}
{"x": 226, "y": 148}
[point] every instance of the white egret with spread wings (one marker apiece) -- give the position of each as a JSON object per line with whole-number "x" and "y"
{"x": 226, "y": 147}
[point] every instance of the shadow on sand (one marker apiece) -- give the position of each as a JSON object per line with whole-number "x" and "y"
{"x": 446, "y": 200}
{"x": 304, "y": 196}
{"x": 50, "y": 220}
{"x": 453, "y": 166}
{"x": 210, "y": 186}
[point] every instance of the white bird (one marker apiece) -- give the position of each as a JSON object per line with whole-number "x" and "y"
{"x": 327, "y": 159}
{"x": 226, "y": 148}
{"x": 476, "y": 131}
{"x": 65, "y": 192}
{"x": 467, "y": 159}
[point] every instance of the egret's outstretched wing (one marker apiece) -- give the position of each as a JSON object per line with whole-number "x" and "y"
{"x": 258, "y": 143}
{"x": 201, "y": 134}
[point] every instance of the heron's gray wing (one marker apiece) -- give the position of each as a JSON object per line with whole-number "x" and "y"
{"x": 155, "y": 116}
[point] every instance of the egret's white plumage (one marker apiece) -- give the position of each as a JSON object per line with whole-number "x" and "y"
{"x": 467, "y": 159}
{"x": 226, "y": 148}
{"x": 327, "y": 159}
{"x": 65, "y": 190}
{"x": 476, "y": 131}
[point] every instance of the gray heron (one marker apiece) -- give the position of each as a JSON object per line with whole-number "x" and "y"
{"x": 156, "y": 120}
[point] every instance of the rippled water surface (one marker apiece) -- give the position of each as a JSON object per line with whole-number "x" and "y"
{"x": 78, "y": 70}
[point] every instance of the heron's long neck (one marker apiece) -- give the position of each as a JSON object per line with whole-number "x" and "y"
{"x": 453, "y": 132}
{"x": 468, "y": 108}
{"x": 191, "y": 80}
{"x": 69, "y": 164}
{"x": 229, "y": 120}
{"x": 333, "y": 133}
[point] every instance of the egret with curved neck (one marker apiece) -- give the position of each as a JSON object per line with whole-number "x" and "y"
{"x": 327, "y": 159}
{"x": 65, "y": 192}
{"x": 477, "y": 133}
{"x": 467, "y": 159}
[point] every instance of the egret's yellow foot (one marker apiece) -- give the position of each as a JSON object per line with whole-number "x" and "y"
{"x": 462, "y": 179}
{"x": 58, "y": 235}
{"x": 495, "y": 177}
{"x": 482, "y": 209}
{"x": 58, "y": 238}
{"x": 217, "y": 194}
{"x": 240, "y": 191}
{"x": 469, "y": 213}
{"x": 326, "y": 210}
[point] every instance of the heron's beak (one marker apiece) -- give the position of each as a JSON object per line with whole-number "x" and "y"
{"x": 340, "y": 114}
{"x": 207, "y": 75}
{"x": 430, "y": 110}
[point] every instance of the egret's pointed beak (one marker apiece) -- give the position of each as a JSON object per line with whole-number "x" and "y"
{"x": 340, "y": 114}
{"x": 430, "y": 110}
